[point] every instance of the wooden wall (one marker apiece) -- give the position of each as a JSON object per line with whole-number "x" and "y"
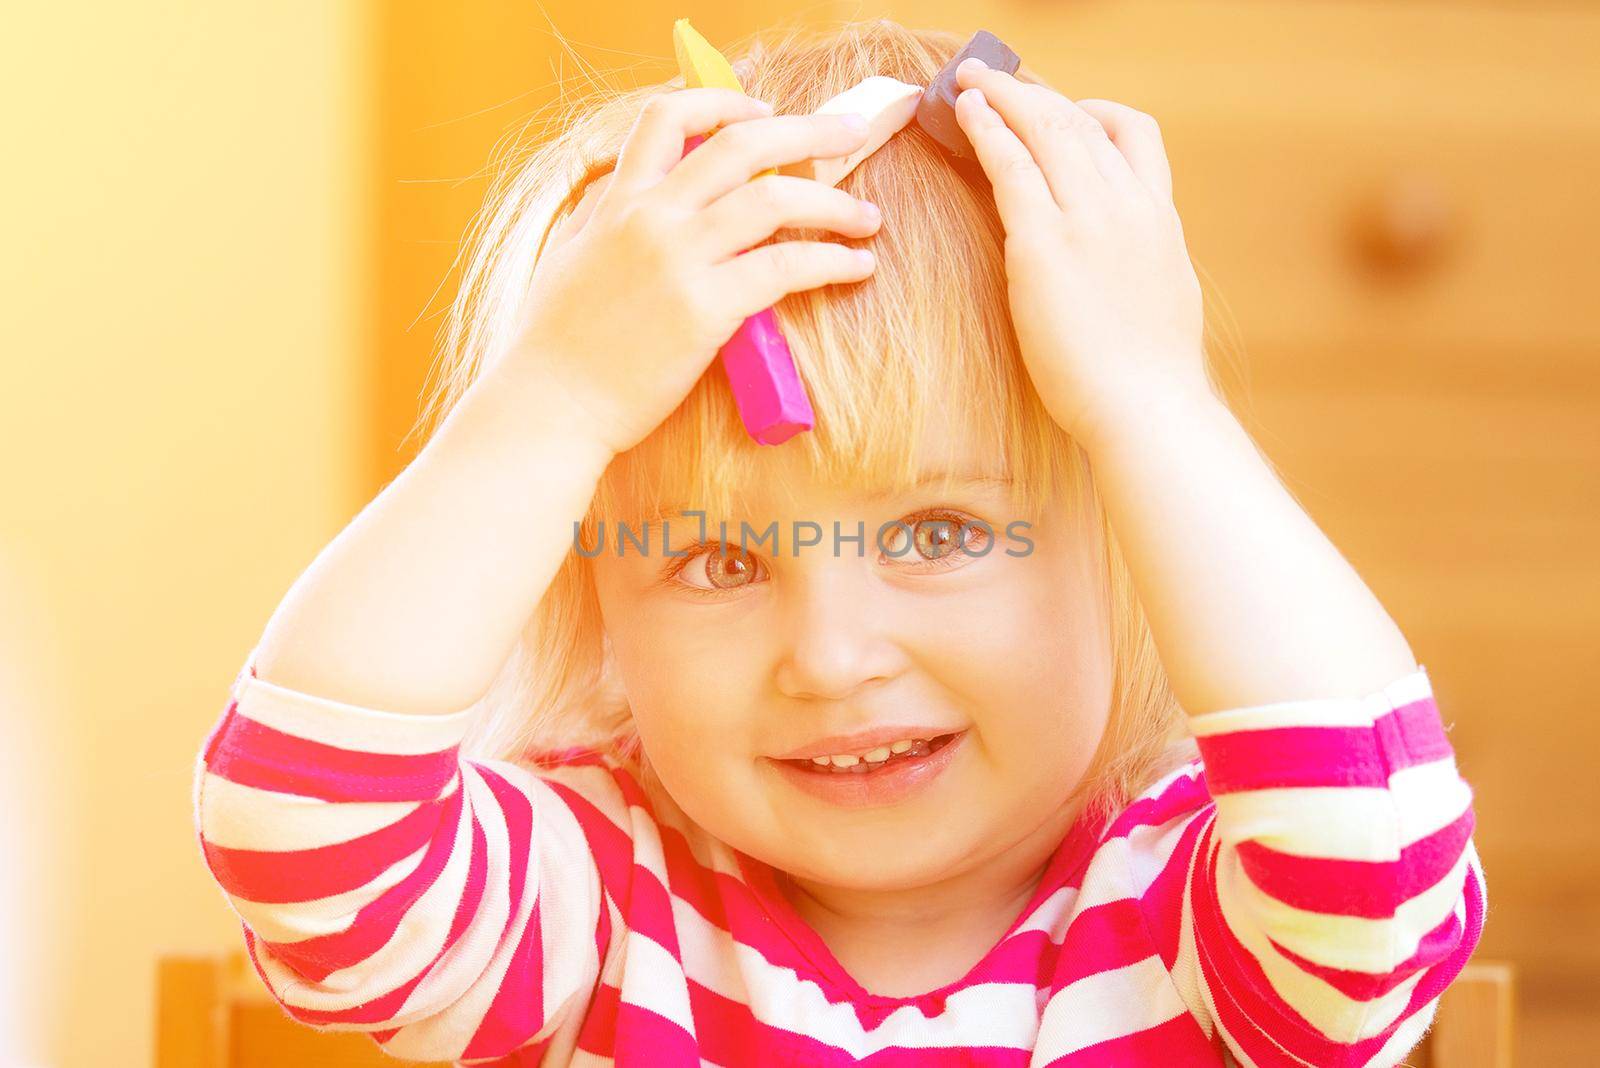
{"x": 1395, "y": 207}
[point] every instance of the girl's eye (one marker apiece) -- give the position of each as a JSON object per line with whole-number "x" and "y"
{"x": 932, "y": 541}
{"x": 721, "y": 567}
{"x": 940, "y": 538}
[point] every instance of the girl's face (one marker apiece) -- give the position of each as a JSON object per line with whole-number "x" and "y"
{"x": 732, "y": 663}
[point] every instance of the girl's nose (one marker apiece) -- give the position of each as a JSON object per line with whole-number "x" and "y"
{"x": 838, "y": 635}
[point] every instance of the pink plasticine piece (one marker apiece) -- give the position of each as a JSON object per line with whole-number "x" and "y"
{"x": 766, "y": 386}
{"x": 772, "y": 401}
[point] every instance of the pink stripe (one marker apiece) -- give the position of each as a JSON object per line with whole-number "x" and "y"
{"x": 650, "y": 911}
{"x": 1325, "y": 756}
{"x": 611, "y": 846}
{"x": 697, "y": 885}
{"x": 1104, "y": 937}
{"x": 1178, "y": 1043}
{"x": 517, "y": 809}
{"x": 283, "y": 877}
{"x": 375, "y": 923}
{"x": 517, "y": 1012}
{"x": 1372, "y": 889}
{"x": 1179, "y": 799}
{"x": 253, "y": 754}
{"x": 599, "y": 1030}
{"x": 1162, "y": 903}
{"x": 645, "y": 1037}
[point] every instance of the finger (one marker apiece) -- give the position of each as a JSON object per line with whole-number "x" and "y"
{"x": 1062, "y": 137}
{"x": 735, "y": 154}
{"x": 569, "y": 227}
{"x": 1021, "y": 191}
{"x": 655, "y": 145}
{"x": 752, "y": 212}
{"x": 1138, "y": 138}
{"x": 765, "y": 275}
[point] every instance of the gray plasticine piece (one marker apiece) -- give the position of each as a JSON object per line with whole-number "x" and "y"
{"x": 936, "y": 111}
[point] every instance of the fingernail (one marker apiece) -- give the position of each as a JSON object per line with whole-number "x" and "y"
{"x": 870, "y": 211}
{"x": 854, "y": 123}
{"x": 762, "y": 105}
{"x": 973, "y": 62}
{"x": 864, "y": 257}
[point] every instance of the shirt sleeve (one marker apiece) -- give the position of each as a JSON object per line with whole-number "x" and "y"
{"x": 451, "y": 908}
{"x": 1336, "y": 891}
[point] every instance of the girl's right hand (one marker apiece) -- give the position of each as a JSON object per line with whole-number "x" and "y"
{"x": 648, "y": 281}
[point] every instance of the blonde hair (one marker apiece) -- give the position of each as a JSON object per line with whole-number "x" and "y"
{"x": 932, "y": 322}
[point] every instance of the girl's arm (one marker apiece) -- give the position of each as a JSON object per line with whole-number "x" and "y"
{"x": 1335, "y": 891}
{"x": 1248, "y": 601}
{"x": 414, "y": 607}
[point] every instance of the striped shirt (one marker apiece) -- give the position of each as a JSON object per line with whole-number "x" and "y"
{"x": 1297, "y": 894}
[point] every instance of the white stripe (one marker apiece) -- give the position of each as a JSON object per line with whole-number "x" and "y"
{"x": 1106, "y": 1005}
{"x": 1150, "y": 848}
{"x": 1349, "y": 943}
{"x": 302, "y": 920}
{"x": 710, "y": 955}
{"x": 343, "y": 726}
{"x": 1186, "y": 974}
{"x": 1428, "y": 798}
{"x": 569, "y": 904}
{"x": 654, "y": 981}
{"x": 235, "y": 816}
{"x": 1347, "y": 822}
{"x": 1317, "y": 711}
{"x": 1406, "y": 1036}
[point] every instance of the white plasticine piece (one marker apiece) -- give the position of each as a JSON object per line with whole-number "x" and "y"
{"x": 887, "y": 104}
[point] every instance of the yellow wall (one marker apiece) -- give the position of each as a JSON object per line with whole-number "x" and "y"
{"x": 183, "y": 269}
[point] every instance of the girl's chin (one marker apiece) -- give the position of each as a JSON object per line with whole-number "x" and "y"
{"x": 866, "y": 861}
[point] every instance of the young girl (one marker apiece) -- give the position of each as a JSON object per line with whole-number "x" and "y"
{"x": 900, "y": 772}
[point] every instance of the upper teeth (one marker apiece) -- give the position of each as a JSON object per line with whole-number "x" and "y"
{"x": 871, "y": 756}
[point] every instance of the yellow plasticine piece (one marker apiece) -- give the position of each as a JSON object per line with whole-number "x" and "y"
{"x": 702, "y": 66}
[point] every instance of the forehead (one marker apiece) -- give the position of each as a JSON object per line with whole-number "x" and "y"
{"x": 670, "y": 473}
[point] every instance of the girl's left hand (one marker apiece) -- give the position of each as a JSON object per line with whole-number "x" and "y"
{"x": 1105, "y": 302}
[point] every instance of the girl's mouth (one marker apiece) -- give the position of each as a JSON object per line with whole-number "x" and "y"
{"x": 920, "y": 747}
{"x": 884, "y": 781}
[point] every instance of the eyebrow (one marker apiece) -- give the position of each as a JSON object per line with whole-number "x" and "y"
{"x": 923, "y": 481}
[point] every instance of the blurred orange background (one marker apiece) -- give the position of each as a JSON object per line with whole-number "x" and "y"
{"x": 229, "y": 235}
